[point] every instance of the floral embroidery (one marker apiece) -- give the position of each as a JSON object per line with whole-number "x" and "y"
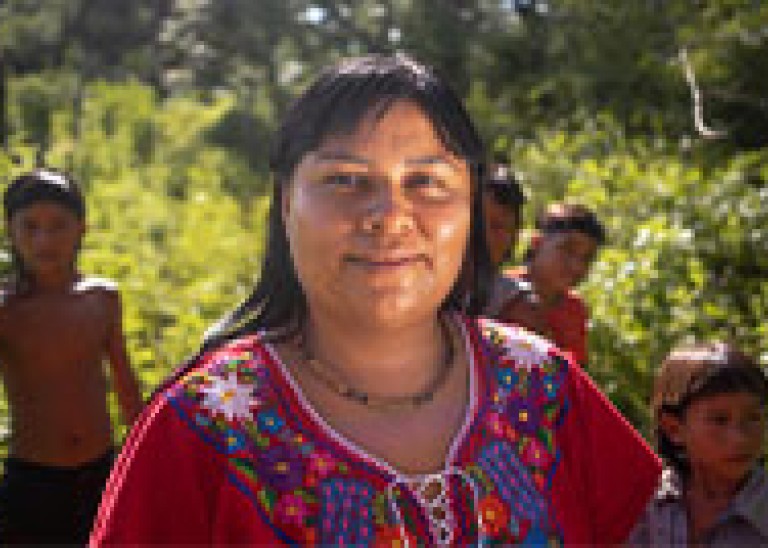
{"x": 292, "y": 509}
{"x": 280, "y": 467}
{"x": 392, "y": 537}
{"x": 321, "y": 463}
{"x": 526, "y": 406}
{"x": 312, "y": 492}
{"x": 227, "y": 396}
{"x": 507, "y": 377}
{"x": 269, "y": 421}
{"x": 526, "y": 349}
{"x": 494, "y": 515}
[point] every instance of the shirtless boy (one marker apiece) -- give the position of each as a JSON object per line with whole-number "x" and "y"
{"x": 56, "y": 329}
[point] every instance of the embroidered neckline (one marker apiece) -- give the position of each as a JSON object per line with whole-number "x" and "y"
{"x": 349, "y": 445}
{"x": 303, "y": 485}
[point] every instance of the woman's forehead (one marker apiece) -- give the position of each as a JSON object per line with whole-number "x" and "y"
{"x": 401, "y": 131}
{"x": 401, "y": 119}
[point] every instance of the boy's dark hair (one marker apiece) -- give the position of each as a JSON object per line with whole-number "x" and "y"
{"x": 43, "y": 185}
{"x": 504, "y": 188}
{"x": 335, "y": 104}
{"x": 565, "y": 217}
{"x": 691, "y": 373}
{"x": 39, "y": 185}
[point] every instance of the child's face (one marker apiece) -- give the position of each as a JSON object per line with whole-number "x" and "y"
{"x": 723, "y": 434}
{"x": 46, "y": 235}
{"x": 501, "y": 229}
{"x": 562, "y": 259}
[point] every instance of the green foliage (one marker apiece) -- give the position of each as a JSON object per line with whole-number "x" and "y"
{"x": 683, "y": 258}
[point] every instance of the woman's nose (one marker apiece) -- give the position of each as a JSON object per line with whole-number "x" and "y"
{"x": 388, "y": 211}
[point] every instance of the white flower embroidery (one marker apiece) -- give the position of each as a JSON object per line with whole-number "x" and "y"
{"x": 229, "y": 397}
{"x": 527, "y": 349}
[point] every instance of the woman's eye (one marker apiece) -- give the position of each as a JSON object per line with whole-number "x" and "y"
{"x": 427, "y": 184}
{"x": 346, "y": 180}
{"x": 423, "y": 179}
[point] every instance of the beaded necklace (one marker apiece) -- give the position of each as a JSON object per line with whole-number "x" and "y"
{"x": 320, "y": 370}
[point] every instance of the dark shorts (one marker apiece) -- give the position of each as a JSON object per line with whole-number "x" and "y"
{"x": 43, "y": 504}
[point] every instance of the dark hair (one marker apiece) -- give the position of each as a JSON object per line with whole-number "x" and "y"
{"x": 335, "y": 104}
{"x": 504, "y": 189}
{"x": 691, "y": 373}
{"x": 565, "y": 217}
{"x": 43, "y": 185}
{"x": 40, "y": 185}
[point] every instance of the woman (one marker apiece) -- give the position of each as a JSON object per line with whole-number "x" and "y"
{"x": 349, "y": 399}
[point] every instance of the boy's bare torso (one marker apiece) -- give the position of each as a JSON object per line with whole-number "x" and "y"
{"x": 52, "y": 346}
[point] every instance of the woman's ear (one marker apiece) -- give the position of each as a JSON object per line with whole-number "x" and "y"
{"x": 672, "y": 427}
{"x": 285, "y": 202}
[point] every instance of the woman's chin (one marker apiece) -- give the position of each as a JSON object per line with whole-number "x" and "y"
{"x": 392, "y": 308}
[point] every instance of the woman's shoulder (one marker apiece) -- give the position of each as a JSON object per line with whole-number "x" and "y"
{"x": 511, "y": 343}
{"x": 224, "y": 379}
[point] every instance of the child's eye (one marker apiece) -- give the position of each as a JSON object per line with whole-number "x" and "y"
{"x": 719, "y": 420}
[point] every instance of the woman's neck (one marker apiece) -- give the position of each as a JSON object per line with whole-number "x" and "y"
{"x": 389, "y": 360}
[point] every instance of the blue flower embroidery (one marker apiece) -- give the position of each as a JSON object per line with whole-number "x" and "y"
{"x": 235, "y": 440}
{"x": 269, "y": 421}
{"x": 507, "y": 377}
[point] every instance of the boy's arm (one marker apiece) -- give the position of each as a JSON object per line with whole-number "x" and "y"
{"x": 124, "y": 379}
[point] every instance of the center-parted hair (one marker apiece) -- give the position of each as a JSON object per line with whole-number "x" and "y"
{"x": 335, "y": 104}
{"x": 690, "y": 373}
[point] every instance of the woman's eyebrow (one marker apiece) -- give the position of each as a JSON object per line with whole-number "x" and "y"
{"x": 437, "y": 159}
{"x": 348, "y": 157}
{"x": 340, "y": 156}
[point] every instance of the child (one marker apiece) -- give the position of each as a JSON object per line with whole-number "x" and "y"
{"x": 55, "y": 328}
{"x": 503, "y": 201}
{"x": 561, "y": 253}
{"x": 709, "y": 407}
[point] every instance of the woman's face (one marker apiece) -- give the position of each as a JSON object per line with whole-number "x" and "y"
{"x": 378, "y": 221}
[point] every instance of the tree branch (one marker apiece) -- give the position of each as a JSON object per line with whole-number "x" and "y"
{"x": 696, "y": 96}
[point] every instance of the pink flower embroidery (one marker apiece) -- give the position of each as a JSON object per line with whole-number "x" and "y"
{"x": 292, "y": 509}
{"x": 495, "y": 424}
{"x": 536, "y": 454}
{"x": 321, "y": 464}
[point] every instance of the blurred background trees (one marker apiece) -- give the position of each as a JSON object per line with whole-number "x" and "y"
{"x": 653, "y": 112}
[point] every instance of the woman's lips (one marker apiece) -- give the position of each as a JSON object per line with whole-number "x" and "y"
{"x": 395, "y": 261}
